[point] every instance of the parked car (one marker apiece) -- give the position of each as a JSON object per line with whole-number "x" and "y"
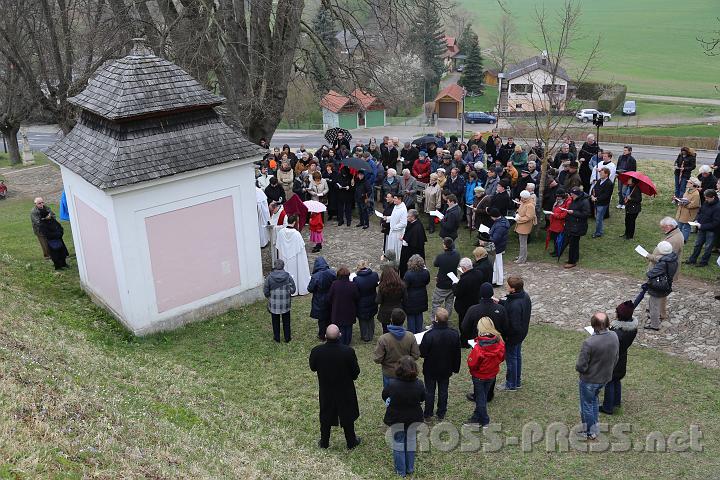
{"x": 586, "y": 115}
{"x": 479, "y": 117}
{"x": 629, "y": 108}
{"x": 460, "y": 68}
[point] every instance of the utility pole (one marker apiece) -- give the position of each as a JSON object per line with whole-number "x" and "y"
{"x": 462, "y": 117}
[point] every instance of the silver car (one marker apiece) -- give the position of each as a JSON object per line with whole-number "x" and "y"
{"x": 586, "y": 115}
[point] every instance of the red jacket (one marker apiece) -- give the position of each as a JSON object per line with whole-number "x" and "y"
{"x": 316, "y": 223}
{"x": 421, "y": 170}
{"x": 557, "y": 219}
{"x": 485, "y": 357}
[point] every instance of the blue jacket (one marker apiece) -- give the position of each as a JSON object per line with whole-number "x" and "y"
{"x": 322, "y": 278}
{"x": 367, "y": 282}
{"x": 371, "y": 174}
{"x": 499, "y": 234}
{"x": 472, "y": 159}
{"x": 416, "y": 283}
{"x": 470, "y": 191}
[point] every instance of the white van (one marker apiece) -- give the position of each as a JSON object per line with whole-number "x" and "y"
{"x": 629, "y": 107}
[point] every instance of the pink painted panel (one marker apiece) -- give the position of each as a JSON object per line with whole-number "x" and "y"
{"x": 98, "y": 254}
{"x": 193, "y": 252}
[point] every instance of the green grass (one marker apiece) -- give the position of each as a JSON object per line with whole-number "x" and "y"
{"x": 705, "y": 131}
{"x": 40, "y": 159}
{"x": 650, "y": 45}
{"x": 483, "y": 103}
{"x": 647, "y": 110}
{"x": 79, "y": 397}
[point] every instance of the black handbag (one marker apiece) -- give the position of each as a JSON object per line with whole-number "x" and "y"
{"x": 660, "y": 284}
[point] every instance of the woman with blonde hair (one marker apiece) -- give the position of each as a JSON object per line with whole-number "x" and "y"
{"x": 484, "y": 364}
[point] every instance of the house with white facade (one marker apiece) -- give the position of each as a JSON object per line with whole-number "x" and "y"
{"x": 160, "y": 190}
{"x": 535, "y": 84}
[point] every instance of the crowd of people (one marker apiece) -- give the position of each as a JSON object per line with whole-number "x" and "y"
{"x": 488, "y": 186}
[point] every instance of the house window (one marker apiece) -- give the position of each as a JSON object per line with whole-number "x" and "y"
{"x": 558, "y": 89}
{"x": 519, "y": 106}
{"x": 521, "y": 88}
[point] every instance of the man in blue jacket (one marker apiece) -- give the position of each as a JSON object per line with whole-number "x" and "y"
{"x": 440, "y": 347}
{"x": 519, "y": 308}
{"x": 709, "y": 219}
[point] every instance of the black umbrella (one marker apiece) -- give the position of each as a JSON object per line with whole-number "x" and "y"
{"x": 331, "y": 135}
{"x": 356, "y": 163}
{"x": 422, "y": 141}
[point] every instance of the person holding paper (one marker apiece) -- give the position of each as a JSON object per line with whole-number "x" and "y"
{"x": 576, "y": 224}
{"x": 709, "y": 219}
{"x": 688, "y": 207}
{"x": 345, "y": 197}
{"x": 440, "y": 347}
{"x": 557, "y": 219}
{"x": 595, "y": 364}
{"x": 394, "y": 345}
{"x": 499, "y": 237}
{"x": 484, "y": 364}
{"x": 467, "y": 289}
{"x": 601, "y": 196}
{"x": 674, "y": 237}
{"x": 485, "y": 308}
{"x": 633, "y": 206}
{"x": 518, "y": 306}
{"x": 451, "y": 221}
{"x": 524, "y": 222}
{"x": 659, "y": 284}
{"x": 398, "y": 222}
{"x": 416, "y": 280}
{"x": 483, "y": 264}
{"x": 446, "y": 262}
{"x": 625, "y": 327}
{"x": 414, "y": 240}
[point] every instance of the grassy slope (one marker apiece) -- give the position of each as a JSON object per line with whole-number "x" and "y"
{"x": 650, "y": 45}
{"x": 706, "y": 131}
{"x": 79, "y": 397}
{"x": 40, "y": 159}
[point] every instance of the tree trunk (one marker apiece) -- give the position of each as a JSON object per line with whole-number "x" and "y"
{"x": 10, "y": 136}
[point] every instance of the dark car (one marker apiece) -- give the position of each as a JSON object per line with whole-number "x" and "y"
{"x": 479, "y": 117}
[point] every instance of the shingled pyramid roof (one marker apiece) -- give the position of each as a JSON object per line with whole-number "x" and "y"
{"x": 142, "y": 84}
{"x": 145, "y": 118}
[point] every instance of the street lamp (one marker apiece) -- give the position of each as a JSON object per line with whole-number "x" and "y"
{"x": 462, "y": 117}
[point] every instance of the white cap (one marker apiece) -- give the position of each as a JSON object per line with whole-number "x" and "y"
{"x": 524, "y": 194}
{"x": 664, "y": 248}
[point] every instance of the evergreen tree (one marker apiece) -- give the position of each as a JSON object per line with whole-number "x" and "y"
{"x": 467, "y": 38}
{"x": 472, "y": 76}
{"x": 427, "y": 40}
{"x": 323, "y": 25}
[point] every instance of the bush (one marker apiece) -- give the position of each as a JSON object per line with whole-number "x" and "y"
{"x": 612, "y": 99}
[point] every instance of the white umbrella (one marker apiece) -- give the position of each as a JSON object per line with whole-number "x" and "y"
{"x": 314, "y": 206}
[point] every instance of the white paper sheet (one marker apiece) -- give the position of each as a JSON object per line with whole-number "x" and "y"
{"x": 547, "y": 212}
{"x": 641, "y": 251}
{"x": 352, "y": 275}
{"x": 694, "y": 224}
{"x": 453, "y": 277}
{"x": 378, "y": 214}
{"x": 472, "y": 343}
{"x": 510, "y": 218}
{"x": 484, "y": 229}
{"x": 419, "y": 336}
{"x": 435, "y": 213}
{"x": 404, "y": 243}
{"x": 589, "y": 330}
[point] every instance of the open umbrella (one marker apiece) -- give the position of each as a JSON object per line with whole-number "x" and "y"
{"x": 422, "y": 141}
{"x": 314, "y": 206}
{"x": 642, "y": 182}
{"x": 355, "y": 163}
{"x": 331, "y": 134}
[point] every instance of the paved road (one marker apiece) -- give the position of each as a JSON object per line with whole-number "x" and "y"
{"x": 663, "y": 98}
{"x": 40, "y": 141}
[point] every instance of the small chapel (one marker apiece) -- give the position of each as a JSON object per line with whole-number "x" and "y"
{"x": 160, "y": 192}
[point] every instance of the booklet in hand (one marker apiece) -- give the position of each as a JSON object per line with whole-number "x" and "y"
{"x": 453, "y": 277}
{"x": 484, "y": 229}
{"x": 435, "y": 213}
{"x": 641, "y": 251}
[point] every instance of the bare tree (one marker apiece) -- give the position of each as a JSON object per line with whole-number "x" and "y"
{"x": 15, "y": 107}
{"x": 503, "y": 42}
{"x": 559, "y": 35}
{"x": 711, "y": 43}
{"x": 55, "y": 46}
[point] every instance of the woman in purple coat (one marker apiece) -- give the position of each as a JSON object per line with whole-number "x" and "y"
{"x": 343, "y": 299}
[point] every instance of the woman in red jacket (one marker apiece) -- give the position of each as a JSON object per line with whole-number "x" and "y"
{"x": 557, "y": 219}
{"x": 484, "y": 364}
{"x": 421, "y": 168}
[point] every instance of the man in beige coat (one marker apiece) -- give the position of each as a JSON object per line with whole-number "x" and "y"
{"x": 674, "y": 237}
{"x": 525, "y": 219}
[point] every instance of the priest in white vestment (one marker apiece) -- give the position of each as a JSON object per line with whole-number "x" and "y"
{"x": 291, "y": 249}
{"x": 278, "y": 220}
{"x": 263, "y": 214}
{"x": 398, "y": 222}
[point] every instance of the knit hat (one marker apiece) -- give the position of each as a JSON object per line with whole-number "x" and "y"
{"x": 524, "y": 194}
{"x": 478, "y": 166}
{"x": 625, "y": 310}
{"x": 486, "y": 290}
{"x": 664, "y": 248}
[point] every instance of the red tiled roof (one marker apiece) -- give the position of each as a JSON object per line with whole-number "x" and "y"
{"x": 452, "y": 48}
{"x": 450, "y": 41}
{"x": 366, "y": 100}
{"x": 334, "y": 101}
{"x": 453, "y": 91}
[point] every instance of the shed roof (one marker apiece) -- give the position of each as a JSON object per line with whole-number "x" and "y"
{"x": 366, "y": 101}
{"x": 538, "y": 62}
{"x": 141, "y": 84}
{"x": 453, "y": 91}
{"x": 335, "y": 101}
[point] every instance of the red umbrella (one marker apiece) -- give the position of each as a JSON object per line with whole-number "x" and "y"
{"x": 641, "y": 181}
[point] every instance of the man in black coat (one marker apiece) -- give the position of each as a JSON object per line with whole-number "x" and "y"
{"x": 451, "y": 221}
{"x": 626, "y": 163}
{"x": 409, "y": 154}
{"x": 485, "y": 308}
{"x": 576, "y": 224}
{"x": 588, "y": 150}
{"x": 501, "y": 200}
{"x": 337, "y": 369}
{"x": 519, "y": 308}
{"x": 415, "y": 238}
{"x": 467, "y": 290}
{"x": 440, "y": 347}
{"x": 601, "y": 194}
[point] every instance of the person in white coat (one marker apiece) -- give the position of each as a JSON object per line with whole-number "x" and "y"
{"x": 398, "y": 222}
{"x": 291, "y": 249}
{"x": 263, "y": 214}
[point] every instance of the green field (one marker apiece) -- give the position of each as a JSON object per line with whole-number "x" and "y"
{"x": 650, "y": 45}
{"x": 705, "y": 131}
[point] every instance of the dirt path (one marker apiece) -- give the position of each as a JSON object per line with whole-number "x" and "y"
{"x": 31, "y": 182}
